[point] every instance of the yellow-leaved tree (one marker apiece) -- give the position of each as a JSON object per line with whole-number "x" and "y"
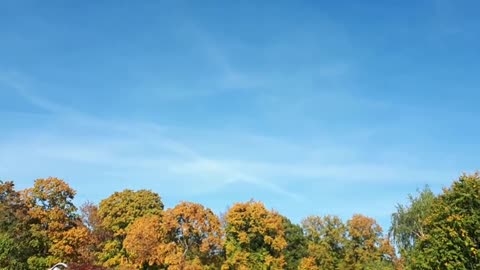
{"x": 255, "y": 237}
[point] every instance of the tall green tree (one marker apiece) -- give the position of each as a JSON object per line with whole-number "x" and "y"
{"x": 408, "y": 222}
{"x": 117, "y": 213}
{"x": 451, "y": 234}
{"x": 15, "y": 237}
{"x": 297, "y": 247}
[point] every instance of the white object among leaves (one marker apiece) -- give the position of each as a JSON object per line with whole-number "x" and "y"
{"x": 57, "y": 266}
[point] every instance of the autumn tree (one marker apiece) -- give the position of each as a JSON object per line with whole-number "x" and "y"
{"x": 143, "y": 240}
{"x": 451, "y": 232}
{"x": 255, "y": 237}
{"x": 75, "y": 245}
{"x": 366, "y": 247}
{"x": 51, "y": 202}
{"x": 91, "y": 228}
{"x": 326, "y": 238}
{"x": 117, "y": 212}
{"x": 90, "y": 217}
{"x": 52, "y": 213}
{"x": 296, "y": 248}
{"x": 193, "y": 237}
{"x": 308, "y": 263}
{"x": 188, "y": 236}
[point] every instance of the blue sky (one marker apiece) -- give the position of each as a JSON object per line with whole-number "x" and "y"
{"x": 314, "y": 107}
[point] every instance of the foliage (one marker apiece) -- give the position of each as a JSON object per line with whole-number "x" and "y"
{"x": 142, "y": 241}
{"x": 76, "y": 245}
{"x": 408, "y": 222}
{"x": 187, "y": 236}
{"x": 50, "y": 205}
{"x": 123, "y": 208}
{"x": 326, "y": 241}
{"x": 308, "y": 263}
{"x": 193, "y": 237}
{"x": 296, "y": 248}
{"x": 451, "y": 237}
{"x": 52, "y": 213}
{"x": 359, "y": 244}
{"x": 90, "y": 217}
{"x": 40, "y": 226}
{"x": 14, "y": 230}
{"x": 366, "y": 245}
{"x": 255, "y": 237}
{"x": 117, "y": 212}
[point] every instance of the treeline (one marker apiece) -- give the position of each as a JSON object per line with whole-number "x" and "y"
{"x": 41, "y": 226}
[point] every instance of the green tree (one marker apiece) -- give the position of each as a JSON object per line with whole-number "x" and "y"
{"x": 117, "y": 212}
{"x": 451, "y": 238}
{"x": 14, "y": 229}
{"x": 296, "y": 248}
{"x": 408, "y": 222}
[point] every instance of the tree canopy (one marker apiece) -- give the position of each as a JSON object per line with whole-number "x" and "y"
{"x": 451, "y": 238}
{"x": 254, "y": 237}
{"x": 41, "y": 225}
{"x": 116, "y": 213}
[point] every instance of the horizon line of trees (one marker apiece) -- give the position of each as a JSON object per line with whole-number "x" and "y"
{"x": 40, "y": 226}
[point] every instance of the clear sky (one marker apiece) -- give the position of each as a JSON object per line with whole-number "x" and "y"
{"x": 313, "y": 107}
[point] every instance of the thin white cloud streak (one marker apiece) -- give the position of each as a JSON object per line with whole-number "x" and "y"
{"x": 118, "y": 145}
{"x": 230, "y": 77}
{"x": 102, "y": 151}
{"x": 350, "y": 173}
{"x": 19, "y": 84}
{"x": 302, "y": 89}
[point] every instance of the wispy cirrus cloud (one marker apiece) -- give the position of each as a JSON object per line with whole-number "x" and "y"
{"x": 18, "y": 83}
{"x": 134, "y": 146}
{"x": 188, "y": 161}
{"x": 113, "y": 141}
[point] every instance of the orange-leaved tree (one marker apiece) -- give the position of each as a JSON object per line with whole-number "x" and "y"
{"x": 188, "y": 236}
{"x": 142, "y": 242}
{"x": 366, "y": 247}
{"x": 53, "y": 219}
{"x": 193, "y": 237}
